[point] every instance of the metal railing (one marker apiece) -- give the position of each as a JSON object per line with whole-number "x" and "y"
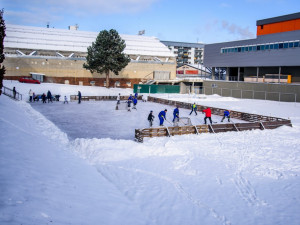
{"x": 9, "y": 92}
{"x": 249, "y": 94}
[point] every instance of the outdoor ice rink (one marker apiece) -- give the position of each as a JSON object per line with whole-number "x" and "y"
{"x": 99, "y": 119}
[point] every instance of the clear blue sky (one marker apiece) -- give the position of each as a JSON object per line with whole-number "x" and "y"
{"x": 207, "y": 21}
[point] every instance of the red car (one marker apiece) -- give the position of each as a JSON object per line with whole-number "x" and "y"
{"x": 29, "y": 80}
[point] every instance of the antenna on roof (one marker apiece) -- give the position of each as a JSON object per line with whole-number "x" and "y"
{"x": 141, "y": 32}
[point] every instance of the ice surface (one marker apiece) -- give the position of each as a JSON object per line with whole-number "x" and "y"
{"x": 99, "y": 119}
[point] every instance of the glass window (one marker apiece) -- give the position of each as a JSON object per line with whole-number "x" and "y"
{"x": 246, "y": 49}
{"x": 262, "y": 47}
{"x": 243, "y": 49}
{"x": 267, "y": 47}
{"x": 276, "y": 46}
{"x": 254, "y": 48}
{"x": 285, "y": 45}
{"x": 235, "y": 49}
{"x": 280, "y": 45}
{"x": 271, "y": 46}
{"x": 239, "y": 49}
{"x": 250, "y": 48}
{"x": 296, "y": 44}
{"x": 291, "y": 44}
{"x": 258, "y": 48}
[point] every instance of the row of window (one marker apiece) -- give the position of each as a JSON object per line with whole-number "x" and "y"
{"x": 262, "y": 47}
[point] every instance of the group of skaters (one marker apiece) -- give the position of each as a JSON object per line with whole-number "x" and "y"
{"x": 206, "y": 111}
{"x": 46, "y": 97}
{"x": 131, "y": 100}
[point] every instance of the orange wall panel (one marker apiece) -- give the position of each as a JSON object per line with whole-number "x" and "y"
{"x": 279, "y": 27}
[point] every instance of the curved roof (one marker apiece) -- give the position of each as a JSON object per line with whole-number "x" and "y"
{"x": 38, "y": 38}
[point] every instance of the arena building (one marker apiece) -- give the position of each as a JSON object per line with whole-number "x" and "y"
{"x": 58, "y": 55}
{"x": 273, "y": 56}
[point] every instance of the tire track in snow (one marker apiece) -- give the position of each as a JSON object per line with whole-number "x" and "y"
{"x": 114, "y": 180}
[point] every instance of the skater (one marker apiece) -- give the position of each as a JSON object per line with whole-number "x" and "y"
{"x": 194, "y": 108}
{"x": 14, "y": 92}
{"x": 44, "y": 98}
{"x": 162, "y": 117}
{"x": 118, "y": 99}
{"x": 49, "y": 96}
{"x": 176, "y": 114}
{"x": 144, "y": 98}
{"x": 207, "y": 112}
{"x": 134, "y": 103}
{"x": 226, "y": 115}
{"x": 30, "y": 95}
{"x": 79, "y": 97}
{"x": 136, "y": 95}
{"x": 150, "y": 118}
{"x": 129, "y": 102}
{"x": 66, "y": 100}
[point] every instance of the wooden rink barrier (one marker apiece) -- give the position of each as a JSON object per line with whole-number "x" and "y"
{"x": 255, "y": 121}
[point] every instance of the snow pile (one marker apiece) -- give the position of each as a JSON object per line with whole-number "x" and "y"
{"x": 247, "y": 178}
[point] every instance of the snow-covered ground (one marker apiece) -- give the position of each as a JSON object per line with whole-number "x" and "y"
{"x": 49, "y": 176}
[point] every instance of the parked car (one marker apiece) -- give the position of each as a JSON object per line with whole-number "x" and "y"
{"x": 29, "y": 80}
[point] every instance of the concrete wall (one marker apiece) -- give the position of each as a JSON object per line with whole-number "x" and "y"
{"x": 58, "y": 70}
{"x": 269, "y": 91}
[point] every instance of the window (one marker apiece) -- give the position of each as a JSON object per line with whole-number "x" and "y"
{"x": 250, "y": 48}
{"x": 291, "y": 44}
{"x": 239, "y": 49}
{"x": 267, "y": 47}
{"x": 262, "y": 47}
{"x": 276, "y": 46}
{"x": 285, "y": 45}
{"x": 128, "y": 83}
{"x": 254, "y": 48}
{"x": 296, "y": 44}
{"x": 271, "y": 46}
{"x": 243, "y": 49}
{"x": 262, "y": 27}
{"x": 117, "y": 84}
{"x": 280, "y": 45}
{"x": 246, "y": 49}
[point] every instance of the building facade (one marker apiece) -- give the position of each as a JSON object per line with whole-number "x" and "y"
{"x": 273, "y": 54}
{"x": 58, "y": 55}
{"x": 186, "y": 53}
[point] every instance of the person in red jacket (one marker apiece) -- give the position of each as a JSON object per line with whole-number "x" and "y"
{"x": 207, "y": 112}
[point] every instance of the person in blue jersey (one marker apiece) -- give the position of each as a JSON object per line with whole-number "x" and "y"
{"x": 176, "y": 113}
{"x": 194, "y": 108}
{"x": 136, "y": 95}
{"x": 129, "y": 100}
{"x": 162, "y": 117}
{"x": 134, "y": 103}
{"x": 226, "y": 115}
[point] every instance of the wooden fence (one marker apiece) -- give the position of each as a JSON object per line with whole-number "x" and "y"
{"x": 255, "y": 121}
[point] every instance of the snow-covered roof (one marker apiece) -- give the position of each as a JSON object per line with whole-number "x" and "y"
{"x": 39, "y": 38}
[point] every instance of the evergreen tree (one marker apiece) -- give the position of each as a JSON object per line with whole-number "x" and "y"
{"x": 2, "y": 57}
{"x": 106, "y": 54}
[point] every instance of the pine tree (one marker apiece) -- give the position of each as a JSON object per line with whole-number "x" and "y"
{"x": 2, "y": 57}
{"x": 106, "y": 54}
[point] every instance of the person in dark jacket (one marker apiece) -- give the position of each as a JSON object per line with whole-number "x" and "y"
{"x": 79, "y": 97}
{"x": 49, "y": 96}
{"x": 207, "y": 112}
{"x": 226, "y": 115}
{"x": 150, "y": 118}
{"x": 14, "y": 92}
{"x": 44, "y": 98}
{"x": 194, "y": 108}
{"x": 162, "y": 117}
{"x": 176, "y": 113}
